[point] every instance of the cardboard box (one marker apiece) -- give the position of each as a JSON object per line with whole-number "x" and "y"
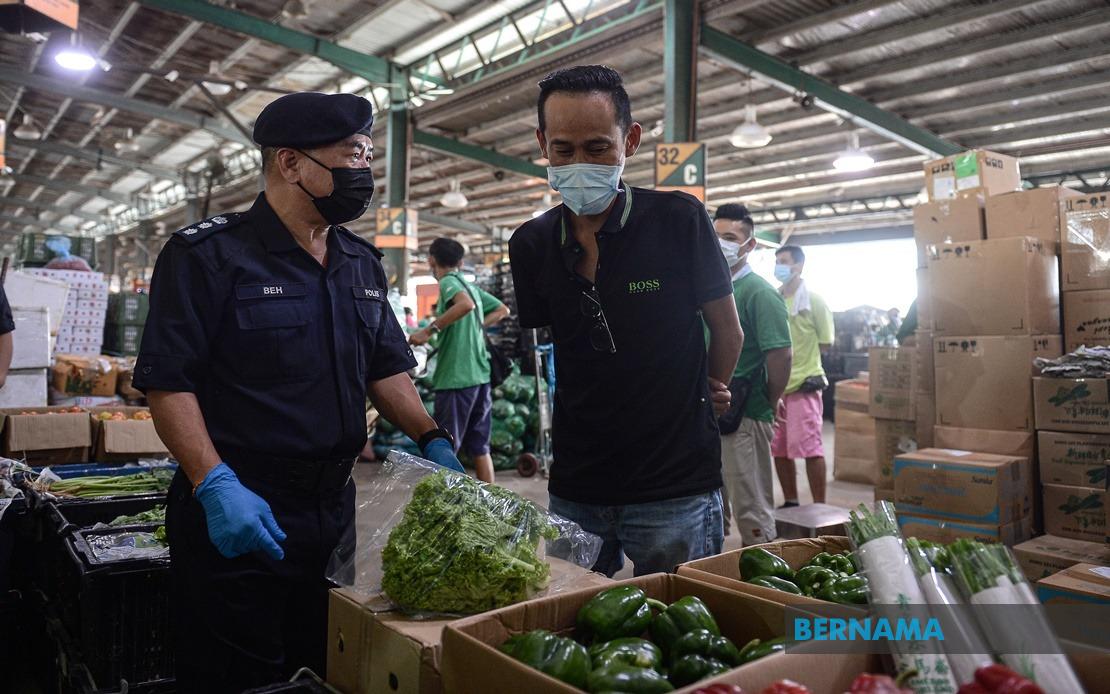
{"x": 890, "y": 371}
{"x": 947, "y": 531}
{"x": 946, "y": 221}
{"x": 1086, "y": 319}
{"x": 1045, "y": 555}
{"x": 24, "y": 388}
{"x": 964, "y": 485}
{"x": 854, "y": 458}
{"x": 1010, "y": 443}
{"x": 924, "y": 300}
{"x": 724, "y": 569}
{"x": 80, "y": 375}
{"x": 884, "y": 494}
{"x": 1073, "y": 459}
{"x": 1079, "y": 584}
{"x": 127, "y": 440}
{"x": 971, "y": 173}
{"x": 1073, "y": 404}
{"x": 926, "y": 411}
{"x": 24, "y": 289}
{"x": 31, "y": 339}
{"x": 984, "y": 382}
{"x": 852, "y": 394}
{"x": 892, "y": 438}
{"x": 1033, "y": 212}
{"x": 924, "y": 367}
{"x": 1085, "y": 255}
{"x": 1075, "y": 512}
{"x": 372, "y": 649}
{"x": 473, "y": 663}
{"x": 46, "y": 435}
{"x": 1000, "y": 287}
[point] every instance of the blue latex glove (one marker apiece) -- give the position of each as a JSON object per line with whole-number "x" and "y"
{"x": 440, "y": 452}
{"x": 239, "y": 521}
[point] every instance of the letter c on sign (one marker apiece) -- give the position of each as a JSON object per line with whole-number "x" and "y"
{"x": 690, "y": 174}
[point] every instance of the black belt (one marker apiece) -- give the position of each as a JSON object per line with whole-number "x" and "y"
{"x": 321, "y": 476}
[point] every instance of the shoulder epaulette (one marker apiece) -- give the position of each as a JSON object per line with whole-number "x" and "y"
{"x": 202, "y": 230}
{"x": 355, "y": 237}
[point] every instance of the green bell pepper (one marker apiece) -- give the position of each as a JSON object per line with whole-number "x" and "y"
{"x": 776, "y": 583}
{"x": 682, "y": 616}
{"x": 691, "y": 668}
{"x": 617, "y": 612}
{"x": 626, "y": 651}
{"x": 846, "y": 590}
{"x": 811, "y": 578}
{"x": 759, "y": 562}
{"x": 837, "y": 562}
{"x": 702, "y": 642}
{"x": 563, "y": 659}
{"x": 628, "y": 680}
{"x": 756, "y": 649}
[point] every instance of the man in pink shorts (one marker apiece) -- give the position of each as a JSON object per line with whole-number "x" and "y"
{"x": 798, "y": 424}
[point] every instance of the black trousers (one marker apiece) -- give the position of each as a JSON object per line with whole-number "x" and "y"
{"x": 250, "y": 621}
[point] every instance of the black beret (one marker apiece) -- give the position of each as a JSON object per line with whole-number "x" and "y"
{"x": 312, "y": 119}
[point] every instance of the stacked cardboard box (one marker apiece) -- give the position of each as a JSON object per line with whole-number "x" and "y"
{"x": 82, "y": 327}
{"x": 25, "y": 385}
{"x": 854, "y": 454}
{"x": 1073, "y": 438}
{"x": 127, "y": 314}
{"x": 892, "y": 402}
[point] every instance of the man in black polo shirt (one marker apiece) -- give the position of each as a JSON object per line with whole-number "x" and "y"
{"x": 624, "y": 277}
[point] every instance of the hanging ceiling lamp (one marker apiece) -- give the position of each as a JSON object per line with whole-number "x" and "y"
{"x": 853, "y": 158}
{"x": 27, "y": 130}
{"x": 454, "y": 198}
{"x": 75, "y": 56}
{"x": 750, "y": 133}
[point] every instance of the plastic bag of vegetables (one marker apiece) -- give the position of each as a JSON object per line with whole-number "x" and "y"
{"x": 444, "y": 543}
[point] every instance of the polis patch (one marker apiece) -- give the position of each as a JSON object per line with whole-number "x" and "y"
{"x": 368, "y": 293}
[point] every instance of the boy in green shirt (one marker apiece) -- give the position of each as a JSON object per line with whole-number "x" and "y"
{"x": 746, "y": 462}
{"x": 798, "y": 428}
{"x": 461, "y": 378}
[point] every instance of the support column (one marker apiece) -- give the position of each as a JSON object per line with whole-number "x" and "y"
{"x": 397, "y": 247}
{"x": 680, "y": 68}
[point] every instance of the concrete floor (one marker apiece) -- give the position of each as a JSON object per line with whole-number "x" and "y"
{"x": 843, "y": 494}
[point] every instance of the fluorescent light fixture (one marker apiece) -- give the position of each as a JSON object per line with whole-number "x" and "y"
{"x": 75, "y": 58}
{"x": 454, "y": 198}
{"x": 217, "y": 88}
{"x": 27, "y": 130}
{"x": 853, "y": 158}
{"x": 750, "y": 133}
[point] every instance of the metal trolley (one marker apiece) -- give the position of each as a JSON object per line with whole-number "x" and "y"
{"x": 544, "y": 360}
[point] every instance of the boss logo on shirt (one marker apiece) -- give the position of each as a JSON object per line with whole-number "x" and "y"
{"x": 644, "y": 286}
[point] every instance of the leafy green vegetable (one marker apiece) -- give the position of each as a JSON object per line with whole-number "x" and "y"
{"x": 464, "y": 547}
{"x": 92, "y": 486}
{"x": 154, "y": 515}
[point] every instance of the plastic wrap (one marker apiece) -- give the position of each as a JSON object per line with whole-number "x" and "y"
{"x": 892, "y": 591}
{"x": 965, "y": 645}
{"x": 440, "y": 542}
{"x": 63, "y": 259}
{"x": 107, "y": 546}
{"x": 988, "y": 575}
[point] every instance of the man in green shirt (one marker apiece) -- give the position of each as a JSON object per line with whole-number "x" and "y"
{"x": 461, "y": 378}
{"x": 798, "y": 427}
{"x": 746, "y": 461}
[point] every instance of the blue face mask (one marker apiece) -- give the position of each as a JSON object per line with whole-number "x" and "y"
{"x": 586, "y": 188}
{"x": 784, "y": 273}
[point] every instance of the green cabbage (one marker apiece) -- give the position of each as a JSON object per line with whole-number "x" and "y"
{"x": 463, "y": 547}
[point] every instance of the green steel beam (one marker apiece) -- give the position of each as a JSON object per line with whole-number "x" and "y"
{"x": 778, "y": 73}
{"x": 680, "y": 72}
{"x": 398, "y": 139}
{"x": 480, "y": 154}
{"x": 97, "y": 156}
{"x": 453, "y": 223}
{"x": 189, "y": 119}
{"x": 71, "y": 186}
{"x": 369, "y": 67}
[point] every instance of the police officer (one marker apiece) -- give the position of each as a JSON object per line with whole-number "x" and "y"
{"x": 267, "y": 332}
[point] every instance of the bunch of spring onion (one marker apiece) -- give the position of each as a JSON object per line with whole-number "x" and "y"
{"x": 93, "y": 486}
{"x": 893, "y": 585}
{"x": 965, "y": 645}
{"x": 988, "y": 575}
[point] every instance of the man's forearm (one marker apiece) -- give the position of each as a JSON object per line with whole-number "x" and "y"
{"x": 180, "y": 425}
{"x": 459, "y": 308}
{"x": 7, "y": 347}
{"x": 496, "y": 316}
{"x": 726, "y": 338}
{"x": 779, "y": 362}
{"x": 397, "y": 400}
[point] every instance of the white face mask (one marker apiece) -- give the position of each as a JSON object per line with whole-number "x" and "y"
{"x": 731, "y": 249}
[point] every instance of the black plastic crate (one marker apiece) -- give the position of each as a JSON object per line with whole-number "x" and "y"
{"x": 119, "y": 616}
{"x": 304, "y": 682}
{"x": 63, "y": 517}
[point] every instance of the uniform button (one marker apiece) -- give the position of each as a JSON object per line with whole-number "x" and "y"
{"x": 702, "y": 399}
{"x": 147, "y": 369}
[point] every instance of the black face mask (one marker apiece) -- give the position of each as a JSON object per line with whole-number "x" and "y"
{"x": 352, "y": 190}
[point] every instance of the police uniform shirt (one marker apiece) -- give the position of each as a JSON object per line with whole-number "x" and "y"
{"x": 277, "y": 348}
{"x": 636, "y": 425}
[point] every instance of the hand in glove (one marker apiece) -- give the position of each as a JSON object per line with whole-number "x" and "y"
{"x": 442, "y": 453}
{"x": 239, "y": 521}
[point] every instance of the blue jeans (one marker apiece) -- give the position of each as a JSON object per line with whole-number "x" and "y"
{"x": 656, "y": 536}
